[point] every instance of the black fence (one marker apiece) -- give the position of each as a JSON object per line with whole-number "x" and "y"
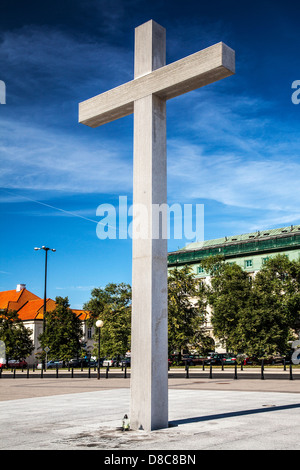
{"x": 255, "y": 372}
{"x": 57, "y": 372}
{"x": 206, "y": 371}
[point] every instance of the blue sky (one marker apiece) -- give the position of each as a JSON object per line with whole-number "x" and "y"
{"x": 233, "y": 146}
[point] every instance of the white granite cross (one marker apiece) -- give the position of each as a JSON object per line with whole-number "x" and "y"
{"x": 145, "y": 96}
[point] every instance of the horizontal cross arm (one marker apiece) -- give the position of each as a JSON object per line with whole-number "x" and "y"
{"x": 199, "y": 69}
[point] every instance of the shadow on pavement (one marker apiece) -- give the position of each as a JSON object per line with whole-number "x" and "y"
{"x": 232, "y": 414}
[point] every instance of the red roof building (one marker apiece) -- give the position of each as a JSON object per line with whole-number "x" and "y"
{"x": 30, "y": 309}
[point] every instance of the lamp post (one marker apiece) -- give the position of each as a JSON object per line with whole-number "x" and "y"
{"x": 46, "y": 249}
{"x": 99, "y": 324}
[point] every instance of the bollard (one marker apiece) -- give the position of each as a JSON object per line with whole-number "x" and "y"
{"x": 203, "y": 365}
{"x": 125, "y": 372}
{"x": 235, "y": 370}
{"x": 98, "y": 372}
{"x": 72, "y": 372}
{"x": 187, "y": 375}
{"x": 89, "y": 373}
{"x": 14, "y": 373}
{"x": 56, "y": 372}
{"x": 42, "y": 370}
{"x": 222, "y": 365}
{"x": 242, "y": 365}
{"x": 262, "y": 370}
{"x": 284, "y": 364}
{"x": 291, "y": 371}
{"x": 106, "y": 372}
{"x": 210, "y": 370}
{"x": 27, "y": 372}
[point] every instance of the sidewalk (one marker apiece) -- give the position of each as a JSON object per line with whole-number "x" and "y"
{"x": 81, "y": 414}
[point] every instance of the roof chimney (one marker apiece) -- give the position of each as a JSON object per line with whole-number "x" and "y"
{"x": 20, "y": 287}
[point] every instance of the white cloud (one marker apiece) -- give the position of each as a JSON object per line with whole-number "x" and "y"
{"x": 233, "y": 150}
{"x": 46, "y": 62}
{"x": 41, "y": 159}
{"x": 243, "y": 157}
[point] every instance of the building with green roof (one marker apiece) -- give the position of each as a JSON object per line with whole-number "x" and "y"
{"x": 250, "y": 251}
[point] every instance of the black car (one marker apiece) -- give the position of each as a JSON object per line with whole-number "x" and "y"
{"x": 216, "y": 358}
{"x": 193, "y": 360}
{"x": 84, "y": 362}
{"x": 125, "y": 361}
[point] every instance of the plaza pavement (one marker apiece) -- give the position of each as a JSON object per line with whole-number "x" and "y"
{"x": 219, "y": 413}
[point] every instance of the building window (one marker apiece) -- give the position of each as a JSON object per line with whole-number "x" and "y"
{"x": 89, "y": 333}
{"x": 200, "y": 270}
{"x": 264, "y": 260}
{"x": 248, "y": 263}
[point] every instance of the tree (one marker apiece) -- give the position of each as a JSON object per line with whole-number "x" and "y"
{"x": 255, "y": 315}
{"x": 63, "y": 332}
{"x": 273, "y": 312}
{"x": 113, "y": 306}
{"x": 186, "y": 310}
{"x": 228, "y": 295}
{"x": 17, "y": 338}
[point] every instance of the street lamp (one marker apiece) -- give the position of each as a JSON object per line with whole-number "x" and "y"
{"x": 99, "y": 324}
{"x": 46, "y": 249}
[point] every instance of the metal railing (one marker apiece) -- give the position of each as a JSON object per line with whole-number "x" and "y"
{"x": 207, "y": 370}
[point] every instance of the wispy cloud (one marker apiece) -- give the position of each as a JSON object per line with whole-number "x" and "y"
{"x": 243, "y": 157}
{"x": 233, "y": 150}
{"x": 46, "y": 62}
{"x": 49, "y": 160}
{"x": 80, "y": 288}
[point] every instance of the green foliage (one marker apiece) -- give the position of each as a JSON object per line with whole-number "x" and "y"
{"x": 17, "y": 338}
{"x": 255, "y": 315}
{"x": 113, "y": 306}
{"x": 186, "y": 310}
{"x": 185, "y": 315}
{"x": 228, "y": 296}
{"x": 63, "y": 332}
{"x": 273, "y": 311}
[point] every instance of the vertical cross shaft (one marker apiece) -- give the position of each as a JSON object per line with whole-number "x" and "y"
{"x": 146, "y": 96}
{"x": 149, "y": 349}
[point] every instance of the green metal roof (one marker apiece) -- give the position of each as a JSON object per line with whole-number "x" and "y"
{"x": 237, "y": 245}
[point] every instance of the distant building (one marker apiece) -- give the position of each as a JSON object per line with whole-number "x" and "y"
{"x": 250, "y": 251}
{"x": 30, "y": 309}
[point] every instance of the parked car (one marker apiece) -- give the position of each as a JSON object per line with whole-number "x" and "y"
{"x": 194, "y": 360}
{"x": 229, "y": 359}
{"x": 125, "y": 361}
{"x": 275, "y": 359}
{"x": 16, "y": 363}
{"x": 51, "y": 364}
{"x": 250, "y": 360}
{"x": 84, "y": 362}
{"x": 2, "y": 362}
{"x": 215, "y": 358}
{"x": 110, "y": 362}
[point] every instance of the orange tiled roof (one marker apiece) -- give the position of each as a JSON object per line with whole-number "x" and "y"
{"x": 81, "y": 314}
{"x": 12, "y": 300}
{"x": 8, "y": 296}
{"x": 34, "y": 309}
{"x": 31, "y": 307}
